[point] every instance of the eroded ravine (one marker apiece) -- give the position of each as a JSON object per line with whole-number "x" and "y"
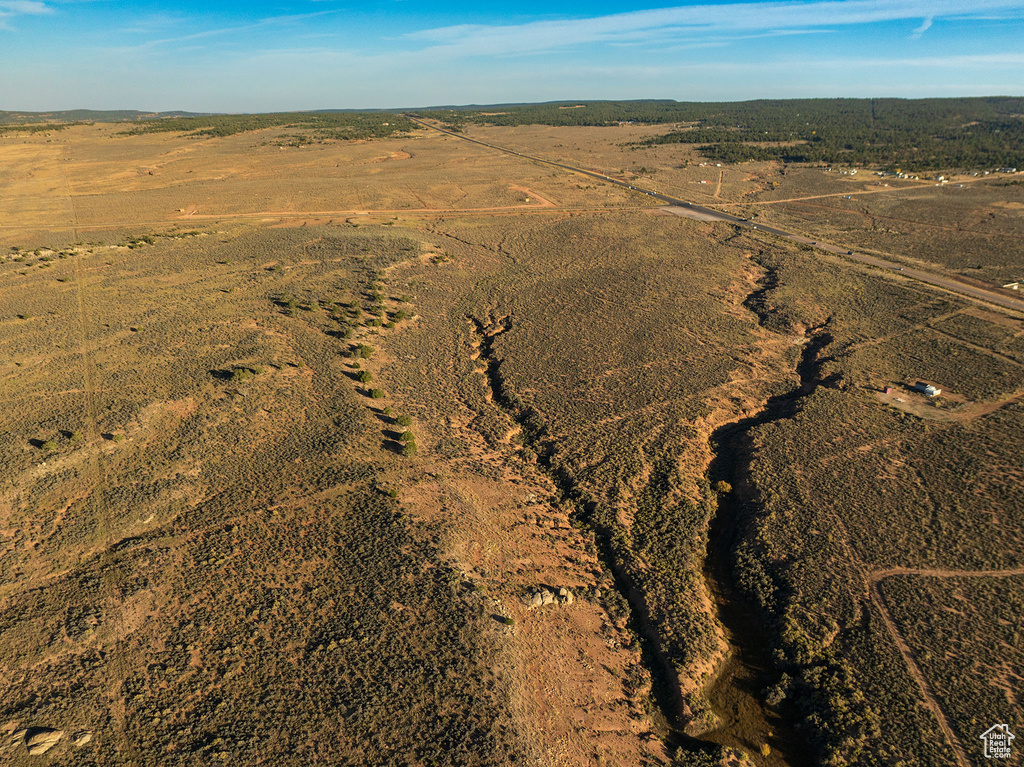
{"x": 665, "y": 681}
{"x": 737, "y": 692}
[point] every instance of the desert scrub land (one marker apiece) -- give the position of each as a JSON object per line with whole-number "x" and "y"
{"x": 973, "y": 226}
{"x": 396, "y": 450}
{"x": 841, "y": 488}
{"x": 94, "y": 177}
{"x": 601, "y": 351}
{"x": 626, "y": 367}
{"x": 965, "y": 634}
{"x": 201, "y": 559}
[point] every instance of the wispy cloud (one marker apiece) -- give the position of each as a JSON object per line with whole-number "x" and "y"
{"x": 688, "y": 21}
{"x": 146, "y": 26}
{"x": 24, "y": 6}
{"x": 11, "y": 8}
{"x": 925, "y": 26}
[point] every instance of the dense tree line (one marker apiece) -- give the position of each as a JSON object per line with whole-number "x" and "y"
{"x": 586, "y": 113}
{"x": 918, "y": 134}
{"x": 35, "y": 127}
{"x": 325, "y": 125}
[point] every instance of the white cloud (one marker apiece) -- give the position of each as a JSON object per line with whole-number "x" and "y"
{"x": 11, "y": 8}
{"x": 925, "y": 26}
{"x": 688, "y": 21}
{"x": 27, "y": 7}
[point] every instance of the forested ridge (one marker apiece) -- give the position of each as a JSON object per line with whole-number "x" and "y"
{"x": 910, "y": 134}
{"x": 918, "y": 134}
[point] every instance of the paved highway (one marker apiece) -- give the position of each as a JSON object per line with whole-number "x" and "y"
{"x": 692, "y": 210}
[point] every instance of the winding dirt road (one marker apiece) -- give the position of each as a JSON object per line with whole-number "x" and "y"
{"x": 873, "y": 579}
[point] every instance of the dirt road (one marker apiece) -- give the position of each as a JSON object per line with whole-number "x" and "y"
{"x": 703, "y": 213}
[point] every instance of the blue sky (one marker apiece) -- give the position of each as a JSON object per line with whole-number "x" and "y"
{"x": 310, "y": 54}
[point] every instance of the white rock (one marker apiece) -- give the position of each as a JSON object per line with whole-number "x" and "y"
{"x": 79, "y": 739}
{"x": 43, "y": 740}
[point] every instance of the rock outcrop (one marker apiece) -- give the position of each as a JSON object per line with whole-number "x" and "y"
{"x": 542, "y": 597}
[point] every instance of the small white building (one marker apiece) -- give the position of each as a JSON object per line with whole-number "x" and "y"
{"x": 928, "y": 389}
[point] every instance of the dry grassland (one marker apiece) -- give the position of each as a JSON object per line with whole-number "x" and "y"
{"x": 294, "y": 441}
{"x": 93, "y": 177}
{"x": 972, "y": 226}
{"x": 672, "y": 169}
{"x": 201, "y": 559}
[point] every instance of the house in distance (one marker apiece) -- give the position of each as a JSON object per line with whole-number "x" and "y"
{"x": 928, "y": 389}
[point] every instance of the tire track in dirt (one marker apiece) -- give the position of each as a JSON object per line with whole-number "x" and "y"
{"x": 514, "y": 210}
{"x": 878, "y": 575}
{"x": 917, "y": 327}
{"x": 980, "y": 349}
{"x": 98, "y": 507}
{"x": 874, "y": 579}
{"x": 984, "y": 409}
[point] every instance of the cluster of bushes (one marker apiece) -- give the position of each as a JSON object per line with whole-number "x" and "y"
{"x": 353, "y": 316}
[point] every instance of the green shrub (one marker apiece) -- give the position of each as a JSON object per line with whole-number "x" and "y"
{"x": 364, "y": 376}
{"x": 365, "y": 351}
{"x": 377, "y": 393}
{"x": 403, "y": 420}
{"x": 409, "y": 448}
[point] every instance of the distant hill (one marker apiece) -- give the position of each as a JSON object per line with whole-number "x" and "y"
{"x": 87, "y": 115}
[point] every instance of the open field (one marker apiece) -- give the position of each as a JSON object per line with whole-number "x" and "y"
{"x": 93, "y": 177}
{"x": 965, "y": 633}
{"x": 406, "y": 451}
{"x": 974, "y": 227}
{"x": 842, "y": 485}
{"x": 676, "y": 170}
{"x": 200, "y": 561}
